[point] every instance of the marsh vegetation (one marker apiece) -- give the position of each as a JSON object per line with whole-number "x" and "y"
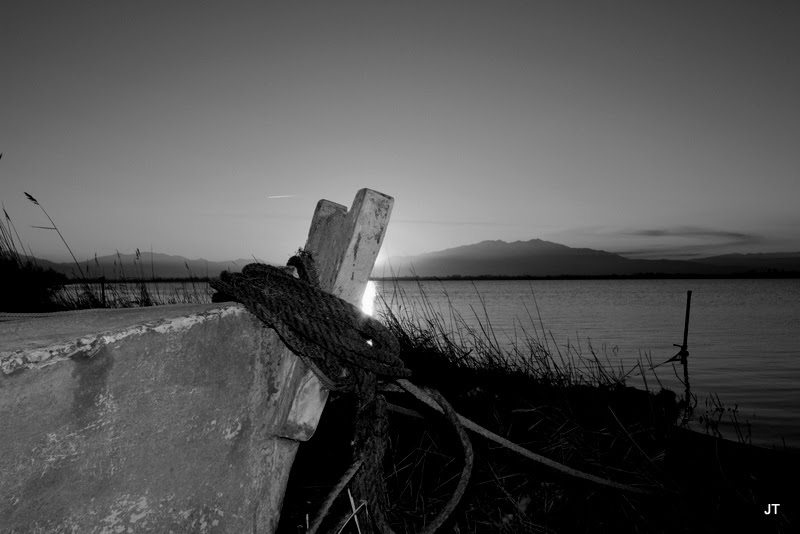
{"x": 571, "y": 405}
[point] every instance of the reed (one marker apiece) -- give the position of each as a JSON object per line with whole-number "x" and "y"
{"x": 27, "y": 287}
{"x": 474, "y": 344}
{"x": 54, "y": 227}
{"x": 120, "y": 289}
{"x": 567, "y": 402}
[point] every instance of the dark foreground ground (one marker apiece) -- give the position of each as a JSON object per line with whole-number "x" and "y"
{"x": 699, "y": 483}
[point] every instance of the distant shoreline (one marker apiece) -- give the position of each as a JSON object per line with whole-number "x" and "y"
{"x": 166, "y": 280}
{"x": 640, "y": 276}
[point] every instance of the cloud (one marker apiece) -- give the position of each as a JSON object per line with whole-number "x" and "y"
{"x": 696, "y": 232}
{"x": 679, "y": 242}
{"x": 280, "y": 196}
{"x": 685, "y": 252}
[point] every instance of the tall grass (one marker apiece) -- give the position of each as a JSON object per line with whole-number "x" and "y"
{"x": 568, "y": 403}
{"x": 27, "y": 287}
{"x": 54, "y": 227}
{"x": 473, "y": 343}
{"x": 532, "y": 351}
{"x": 123, "y": 289}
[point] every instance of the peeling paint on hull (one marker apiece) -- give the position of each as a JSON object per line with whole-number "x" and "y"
{"x": 12, "y": 361}
{"x": 162, "y": 422}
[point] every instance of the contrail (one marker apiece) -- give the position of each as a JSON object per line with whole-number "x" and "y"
{"x": 281, "y": 196}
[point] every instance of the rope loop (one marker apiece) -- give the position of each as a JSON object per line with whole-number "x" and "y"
{"x": 330, "y": 335}
{"x": 349, "y": 350}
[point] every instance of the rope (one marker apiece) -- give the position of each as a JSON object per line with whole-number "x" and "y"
{"x": 329, "y": 500}
{"x": 351, "y": 351}
{"x": 500, "y": 440}
{"x": 329, "y": 334}
{"x": 469, "y": 458}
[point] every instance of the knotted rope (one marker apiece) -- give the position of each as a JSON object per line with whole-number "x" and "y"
{"x": 330, "y": 335}
{"x": 348, "y": 350}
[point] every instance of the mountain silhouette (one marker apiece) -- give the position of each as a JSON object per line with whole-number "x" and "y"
{"x": 541, "y": 258}
{"x": 535, "y": 258}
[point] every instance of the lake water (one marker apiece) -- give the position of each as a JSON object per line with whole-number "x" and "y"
{"x": 744, "y": 335}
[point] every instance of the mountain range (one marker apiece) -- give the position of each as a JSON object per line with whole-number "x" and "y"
{"x": 533, "y": 258}
{"x": 538, "y": 258}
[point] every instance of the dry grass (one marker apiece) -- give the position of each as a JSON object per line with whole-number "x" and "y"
{"x": 570, "y": 405}
{"x": 123, "y": 290}
{"x": 566, "y": 405}
{"x": 27, "y": 287}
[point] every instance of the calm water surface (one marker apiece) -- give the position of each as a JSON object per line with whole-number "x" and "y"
{"x": 744, "y": 335}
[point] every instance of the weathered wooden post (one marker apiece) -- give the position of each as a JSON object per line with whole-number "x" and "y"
{"x": 345, "y": 245}
{"x": 179, "y": 418}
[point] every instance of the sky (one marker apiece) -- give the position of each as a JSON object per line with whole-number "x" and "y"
{"x": 211, "y": 129}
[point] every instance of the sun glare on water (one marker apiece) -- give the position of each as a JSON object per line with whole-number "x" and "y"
{"x": 368, "y": 300}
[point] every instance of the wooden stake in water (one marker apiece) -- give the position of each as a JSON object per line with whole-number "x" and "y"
{"x": 684, "y": 352}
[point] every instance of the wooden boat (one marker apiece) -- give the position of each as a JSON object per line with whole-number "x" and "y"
{"x": 179, "y": 418}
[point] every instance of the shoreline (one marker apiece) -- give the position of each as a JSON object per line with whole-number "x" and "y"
{"x": 789, "y": 275}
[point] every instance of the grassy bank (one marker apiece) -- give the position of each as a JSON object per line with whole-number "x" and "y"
{"x": 25, "y": 286}
{"x": 572, "y": 407}
{"x": 568, "y": 404}
{"x": 28, "y": 287}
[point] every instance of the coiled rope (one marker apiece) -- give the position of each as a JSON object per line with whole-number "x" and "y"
{"x": 330, "y": 335}
{"x": 350, "y": 351}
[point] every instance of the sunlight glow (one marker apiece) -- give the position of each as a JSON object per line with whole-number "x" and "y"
{"x": 368, "y": 300}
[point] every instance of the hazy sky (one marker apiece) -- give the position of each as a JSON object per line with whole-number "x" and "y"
{"x": 654, "y": 128}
